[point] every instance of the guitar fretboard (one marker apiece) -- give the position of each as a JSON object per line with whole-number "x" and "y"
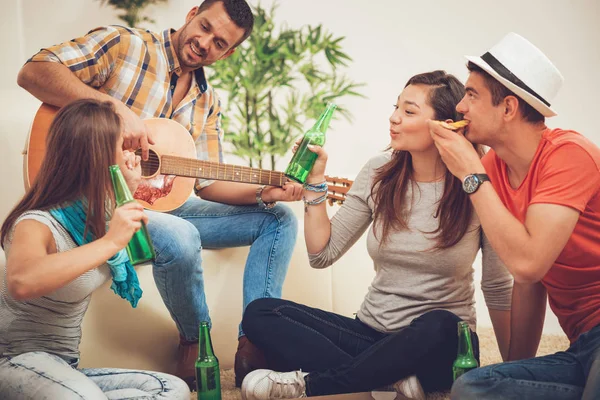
{"x": 173, "y": 165}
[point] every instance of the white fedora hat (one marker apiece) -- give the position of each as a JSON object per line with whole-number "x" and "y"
{"x": 524, "y": 69}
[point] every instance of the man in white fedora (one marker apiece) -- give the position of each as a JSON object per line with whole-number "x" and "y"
{"x": 537, "y": 194}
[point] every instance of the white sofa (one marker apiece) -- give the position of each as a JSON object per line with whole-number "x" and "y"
{"x": 114, "y": 334}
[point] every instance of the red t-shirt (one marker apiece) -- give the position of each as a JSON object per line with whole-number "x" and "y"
{"x": 565, "y": 170}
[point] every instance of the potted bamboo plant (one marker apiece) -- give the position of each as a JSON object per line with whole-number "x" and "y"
{"x": 132, "y": 10}
{"x": 276, "y": 81}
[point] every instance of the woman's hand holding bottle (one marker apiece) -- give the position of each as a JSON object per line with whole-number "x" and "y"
{"x": 126, "y": 220}
{"x": 317, "y": 173}
{"x": 317, "y": 229}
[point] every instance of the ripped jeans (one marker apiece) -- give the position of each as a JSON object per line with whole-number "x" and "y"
{"x": 44, "y": 376}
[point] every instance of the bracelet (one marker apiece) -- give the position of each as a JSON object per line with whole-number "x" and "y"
{"x": 260, "y": 201}
{"x": 316, "y": 187}
{"x": 314, "y": 202}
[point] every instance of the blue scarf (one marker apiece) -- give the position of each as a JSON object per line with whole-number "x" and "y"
{"x": 125, "y": 280}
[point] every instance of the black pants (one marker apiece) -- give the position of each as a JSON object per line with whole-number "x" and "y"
{"x": 344, "y": 355}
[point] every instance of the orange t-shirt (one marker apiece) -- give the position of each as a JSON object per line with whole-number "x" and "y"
{"x": 566, "y": 171}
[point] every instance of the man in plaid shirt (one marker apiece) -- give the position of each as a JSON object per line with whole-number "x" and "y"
{"x": 145, "y": 75}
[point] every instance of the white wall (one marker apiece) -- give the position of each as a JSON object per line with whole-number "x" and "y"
{"x": 390, "y": 40}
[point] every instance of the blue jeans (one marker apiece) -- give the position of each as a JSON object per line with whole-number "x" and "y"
{"x": 43, "y": 376}
{"x": 566, "y": 375}
{"x": 179, "y": 236}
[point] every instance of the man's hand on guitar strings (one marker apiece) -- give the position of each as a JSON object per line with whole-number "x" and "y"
{"x": 135, "y": 132}
{"x": 131, "y": 169}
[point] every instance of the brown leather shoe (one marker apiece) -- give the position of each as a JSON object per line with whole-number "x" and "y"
{"x": 248, "y": 357}
{"x": 187, "y": 352}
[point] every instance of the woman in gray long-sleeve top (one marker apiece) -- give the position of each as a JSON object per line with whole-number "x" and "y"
{"x": 423, "y": 239}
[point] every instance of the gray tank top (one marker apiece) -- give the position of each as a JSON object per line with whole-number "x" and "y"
{"x": 51, "y": 323}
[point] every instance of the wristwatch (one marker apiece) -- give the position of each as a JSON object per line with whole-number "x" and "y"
{"x": 260, "y": 201}
{"x": 472, "y": 182}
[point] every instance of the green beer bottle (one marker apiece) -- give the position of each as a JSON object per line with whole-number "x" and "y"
{"x": 208, "y": 377}
{"x": 140, "y": 247}
{"x": 465, "y": 360}
{"x": 304, "y": 159}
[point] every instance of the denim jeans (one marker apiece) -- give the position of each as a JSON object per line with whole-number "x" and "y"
{"x": 43, "y": 376}
{"x": 566, "y": 375}
{"x": 179, "y": 236}
{"x": 344, "y": 355}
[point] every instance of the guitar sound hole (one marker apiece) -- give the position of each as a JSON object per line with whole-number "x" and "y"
{"x": 151, "y": 166}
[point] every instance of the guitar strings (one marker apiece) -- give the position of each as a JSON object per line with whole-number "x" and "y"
{"x": 172, "y": 162}
{"x": 221, "y": 167}
{"x": 178, "y": 163}
{"x": 168, "y": 161}
{"x": 213, "y": 169}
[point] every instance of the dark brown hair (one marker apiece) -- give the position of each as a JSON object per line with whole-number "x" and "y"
{"x": 500, "y": 92}
{"x": 80, "y": 146}
{"x": 392, "y": 179}
{"x": 238, "y": 10}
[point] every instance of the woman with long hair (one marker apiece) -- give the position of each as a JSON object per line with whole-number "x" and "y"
{"x": 423, "y": 239}
{"x": 60, "y": 247}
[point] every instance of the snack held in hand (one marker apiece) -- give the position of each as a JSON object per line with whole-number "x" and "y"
{"x": 453, "y": 125}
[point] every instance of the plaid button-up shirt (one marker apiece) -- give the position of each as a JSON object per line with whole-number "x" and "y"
{"x": 137, "y": 67}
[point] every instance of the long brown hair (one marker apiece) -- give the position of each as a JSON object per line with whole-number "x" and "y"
{"x": 392, "y": 179}
{"x": 80, "y": 146}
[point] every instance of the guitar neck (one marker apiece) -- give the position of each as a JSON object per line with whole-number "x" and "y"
{"x": 180, "y": 166}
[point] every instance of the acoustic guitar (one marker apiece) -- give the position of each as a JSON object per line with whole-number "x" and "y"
{"x": 169, "y": 174}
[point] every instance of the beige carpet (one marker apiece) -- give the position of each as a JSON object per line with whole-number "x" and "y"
{"x": 489, "y": 355}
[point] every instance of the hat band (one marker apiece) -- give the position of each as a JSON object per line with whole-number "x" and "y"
{"x": 509, "y": 76}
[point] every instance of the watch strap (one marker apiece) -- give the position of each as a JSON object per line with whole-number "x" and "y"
{"x": 482, "y": 178}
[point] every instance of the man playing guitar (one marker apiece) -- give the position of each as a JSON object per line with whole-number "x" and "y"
{"x": 161, "y": 75}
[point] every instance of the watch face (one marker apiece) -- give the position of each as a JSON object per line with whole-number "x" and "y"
{"x": 470, "y": 184}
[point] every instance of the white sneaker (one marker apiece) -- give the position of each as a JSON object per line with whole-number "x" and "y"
{"x": 383, "y": 395}
{"x": 264, "y": 384}
{"x": 411, "y": 388}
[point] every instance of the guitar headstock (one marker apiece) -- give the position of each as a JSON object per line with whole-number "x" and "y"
{"x": 337, "y": 188}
